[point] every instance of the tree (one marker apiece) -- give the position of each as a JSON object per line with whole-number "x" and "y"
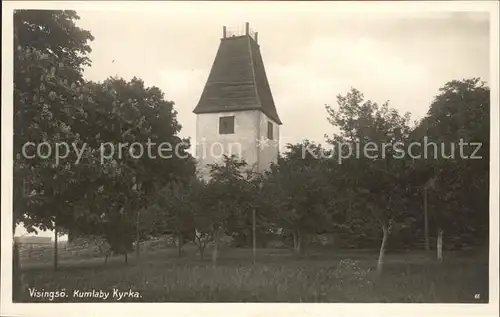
{"x": 174, "y": 210}
{"x": 235, "y": 187}
{"x": 377, "y": 178}
{"x": 49, "y": 54}
{"x": 226, "y": 198}
{"x": 458, "y": 203}
{"x": 297, "y": 191}
{"x": 130, "y": 126}
{"x": 53, "y": 104}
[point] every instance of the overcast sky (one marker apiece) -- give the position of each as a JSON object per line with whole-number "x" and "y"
{"x": 310, "y": 56}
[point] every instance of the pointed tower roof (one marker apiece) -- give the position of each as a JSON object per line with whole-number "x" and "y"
{"x": 238, "y": 78}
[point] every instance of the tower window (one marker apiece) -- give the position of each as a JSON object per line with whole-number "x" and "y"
{"x": 269, "y": 130}
{"x": 226, "y": 125}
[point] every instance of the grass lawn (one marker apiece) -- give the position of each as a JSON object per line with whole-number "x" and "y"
{"x": 327, "y": 276}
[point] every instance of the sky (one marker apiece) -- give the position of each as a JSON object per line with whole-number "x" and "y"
{"x": 310, "y": 56}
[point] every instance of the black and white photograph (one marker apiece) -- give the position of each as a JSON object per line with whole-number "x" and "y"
{"x": 249, "y": 152}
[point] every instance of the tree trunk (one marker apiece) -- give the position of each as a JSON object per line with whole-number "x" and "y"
{"x": 202, "y": 252}
{"x": 180, "y": 242}
{"x": 126, "y": 257}
{"x": 17, "y": 282}
{"x": 440, "y": 245}
{"x": 349, "y": 210}
{"x": 214, "y": 255}
{"x": 381, "y": 256}
{"x": 137, "y": 244}
{"x": 426, "y": 222}
{"x": 299, "y": 246}
{"x": 297, "y": 242}
{"x": 55, "y": 247}
{"x": 254, "y": 238}
{"x": 215, "y": 252}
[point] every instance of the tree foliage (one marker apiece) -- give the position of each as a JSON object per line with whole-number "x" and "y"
{"x": 103, "y": 182}
{"x": 49, "y": 54}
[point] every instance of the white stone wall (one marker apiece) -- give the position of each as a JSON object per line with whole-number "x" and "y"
{"x": 268, "y": 152}
{"x": 250, "y": 127}
{"x": 210, "y": 145}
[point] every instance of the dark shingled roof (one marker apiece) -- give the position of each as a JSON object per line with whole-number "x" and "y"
{"x": 238, "y": 80}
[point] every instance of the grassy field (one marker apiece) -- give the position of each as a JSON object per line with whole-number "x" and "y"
{"x": 278, "y": 276}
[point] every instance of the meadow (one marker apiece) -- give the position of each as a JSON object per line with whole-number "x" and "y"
{"x": 277, "y": 276}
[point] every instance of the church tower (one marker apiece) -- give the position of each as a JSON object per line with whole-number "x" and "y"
{"x": 236, "y": 114}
